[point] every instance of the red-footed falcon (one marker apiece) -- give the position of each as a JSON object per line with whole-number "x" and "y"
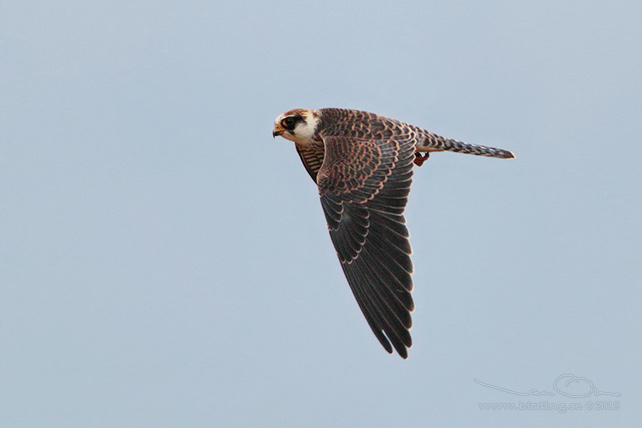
{"x": 362, "y": 164}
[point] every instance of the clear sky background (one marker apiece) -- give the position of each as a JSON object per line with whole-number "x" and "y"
{"x": 165, "y": 262}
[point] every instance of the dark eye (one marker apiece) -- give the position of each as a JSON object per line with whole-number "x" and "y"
{"x": 288, "y": 123}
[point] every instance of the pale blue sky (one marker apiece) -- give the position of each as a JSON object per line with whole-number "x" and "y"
{"x": 166, "y": 263}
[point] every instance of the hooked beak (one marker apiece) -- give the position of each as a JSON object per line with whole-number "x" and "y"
{"x": 277, "y": 131}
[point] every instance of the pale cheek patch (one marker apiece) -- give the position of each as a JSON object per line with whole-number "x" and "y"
{"x": 305, "y": 131}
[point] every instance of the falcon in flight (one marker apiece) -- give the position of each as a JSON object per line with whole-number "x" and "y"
{"x": 362, "y": 164}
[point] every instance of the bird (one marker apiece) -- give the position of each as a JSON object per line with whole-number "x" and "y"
{"x": 362, "y": 164}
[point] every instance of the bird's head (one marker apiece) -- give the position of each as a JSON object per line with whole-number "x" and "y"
{"x": 298, "y": 125}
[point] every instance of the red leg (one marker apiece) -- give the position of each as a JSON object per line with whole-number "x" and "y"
{"x": 420, "y": 158}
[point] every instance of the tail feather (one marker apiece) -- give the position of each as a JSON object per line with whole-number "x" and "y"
{"x": 434, "y": 143}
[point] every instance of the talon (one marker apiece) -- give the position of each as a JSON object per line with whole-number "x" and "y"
{"x": 420, "y": 158}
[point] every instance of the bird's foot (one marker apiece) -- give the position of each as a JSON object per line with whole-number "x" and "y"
{"x": 420, "y": 158}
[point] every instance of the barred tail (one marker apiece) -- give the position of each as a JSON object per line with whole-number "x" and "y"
{"x": 430, "y": 142}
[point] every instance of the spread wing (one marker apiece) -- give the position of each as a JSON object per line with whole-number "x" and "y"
{"x": 364, "y": 186}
